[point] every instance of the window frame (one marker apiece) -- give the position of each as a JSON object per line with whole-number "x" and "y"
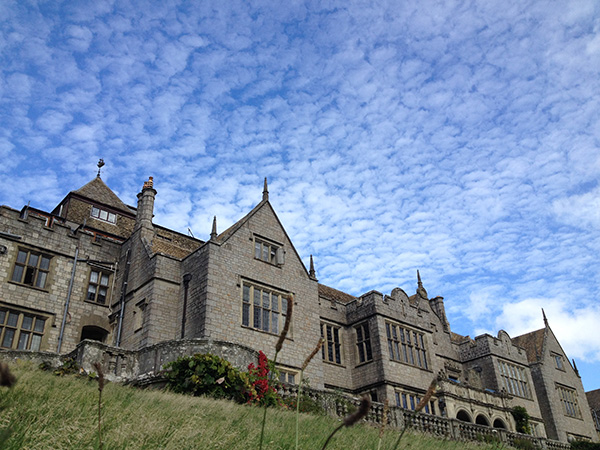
{"x": 97, "y": 213}
{"x": 267, "y": 251}
{"x": 559, "y": 361}
{"x": 36, "y": 272}
{"x": 364, "y": 352}
{"x": 410, "y": 400}
{"x": 97, "y": 286}
{"x": 514, "y": 379}
{"x": 254, "y": 309}
{"x": 406, "y": 346}
{"x": 32, "y": 330}
{"x": 331, "y": 350}
{"x": 287, "y": 374}
{"x": 569, "y": 401}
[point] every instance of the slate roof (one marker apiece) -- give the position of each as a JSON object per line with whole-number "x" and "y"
{"x": 458, "y": 338}
{"x": 593, "y": 398}
{"x": 99, "y": 192}
{"x": 533, "y": 343}
{"x": 333, "y": 294}
{"x": 169, "y": 248}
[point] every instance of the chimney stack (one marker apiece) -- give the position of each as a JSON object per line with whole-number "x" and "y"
{"x": 145, "y": 208}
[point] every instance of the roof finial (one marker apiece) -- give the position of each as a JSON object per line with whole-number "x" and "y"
{"x": 265, "y": 191}
{"x": 575, "y": 367}
{"x": 100, "y": 165}
{"x": 545, "y": 320}
{"x": 213, "y": 233}
{"x": 420, "y": 289}
{"x": 311, "y": 271}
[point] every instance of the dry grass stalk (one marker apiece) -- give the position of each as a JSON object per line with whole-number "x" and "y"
{"x": 419, "y": 407}
{"x": 384, "y": 418}
{"x": 6, "y": 377}
{"x": 361, "y": 412}
{"x": 312, "y": 355}
{"x": 427, "y": 396}
{"x": 286, "y": 326}
{"x": 98, "y": 367}
{"x": 352, "y": 419}
{"x": 299, "y": 396}
{"x": 284, "y": 332}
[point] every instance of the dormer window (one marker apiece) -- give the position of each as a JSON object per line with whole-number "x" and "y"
{"x": 103, "y": 215}
{"x": 268, "y": 251}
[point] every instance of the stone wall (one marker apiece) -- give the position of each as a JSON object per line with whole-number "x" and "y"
{"x": 60, "y": 242}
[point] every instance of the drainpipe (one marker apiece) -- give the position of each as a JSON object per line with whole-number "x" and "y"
{"x": 123, "y": 292}
{"x": 66, "y": 311}
{"x": 115, "y": 268}
{"x": 186, "y": 283}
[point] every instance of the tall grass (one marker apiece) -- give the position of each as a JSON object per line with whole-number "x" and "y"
{"x": 45, "y": 411}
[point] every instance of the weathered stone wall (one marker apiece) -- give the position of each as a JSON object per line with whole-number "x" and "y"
{"x": 233, "y": 262}
{"x": 60, "y": 243}
{"x": 548, "y": 379}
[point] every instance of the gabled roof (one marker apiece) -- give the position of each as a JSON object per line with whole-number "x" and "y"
{"x": 225, "y": 235}
{"x": 533, "y": 343}
{"x": 333, "y": 294}
{"x": 97, "y": 191}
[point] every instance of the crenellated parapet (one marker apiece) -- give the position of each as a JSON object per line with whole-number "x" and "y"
{"x": 488, "y": 345}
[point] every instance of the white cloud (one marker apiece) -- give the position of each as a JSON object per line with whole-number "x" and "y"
{"x": 579, "y": 210}
{"x": 454, "y": 138}
{"x": 572, "y": 324}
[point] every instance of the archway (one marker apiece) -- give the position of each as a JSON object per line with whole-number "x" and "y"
{"x": 499, "y": 423}
{"x": 94, "y": 333}
{"x": 482, "y": 420}
{"x": 463, "y": 416}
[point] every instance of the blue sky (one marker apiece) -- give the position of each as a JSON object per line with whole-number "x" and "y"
{"x": 458, "y": 138}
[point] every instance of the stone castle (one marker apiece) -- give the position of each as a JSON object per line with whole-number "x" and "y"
{"x": 95, "y": 270}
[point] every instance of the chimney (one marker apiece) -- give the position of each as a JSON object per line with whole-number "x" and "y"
{"x": 437, "y": 305}
{"x": 145, "y": 208}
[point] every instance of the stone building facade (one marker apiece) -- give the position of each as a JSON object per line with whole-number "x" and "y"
{"x": 95, "y": 268}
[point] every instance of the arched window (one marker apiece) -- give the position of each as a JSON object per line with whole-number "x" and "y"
{"x": 499, "y": 423}
{"x": 463, "y": 416}
{"x": 482, "y": 420}
{"x": 94, "y": 333}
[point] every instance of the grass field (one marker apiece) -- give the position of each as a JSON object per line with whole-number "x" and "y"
{"x": 44, "y": 411}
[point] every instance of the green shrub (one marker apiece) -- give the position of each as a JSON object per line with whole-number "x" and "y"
{"x": 521, "y": 417}
{"x": 523, "y": 444}
{"x": 207, "y": 374}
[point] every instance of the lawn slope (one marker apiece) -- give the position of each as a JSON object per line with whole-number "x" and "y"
{"x": 43, "y": 411}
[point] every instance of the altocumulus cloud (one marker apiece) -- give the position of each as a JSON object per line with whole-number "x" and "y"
{"x": 460, "y": 138}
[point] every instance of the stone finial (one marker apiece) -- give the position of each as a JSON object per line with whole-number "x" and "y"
{"x": 575, "y": 367}
{"x": 213, "y": 233}
{"x": 311, "y": 272}
{"x": 545, "y": 319}
{"x": 265, "y": 191}
{"x": 420, "y": 289}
